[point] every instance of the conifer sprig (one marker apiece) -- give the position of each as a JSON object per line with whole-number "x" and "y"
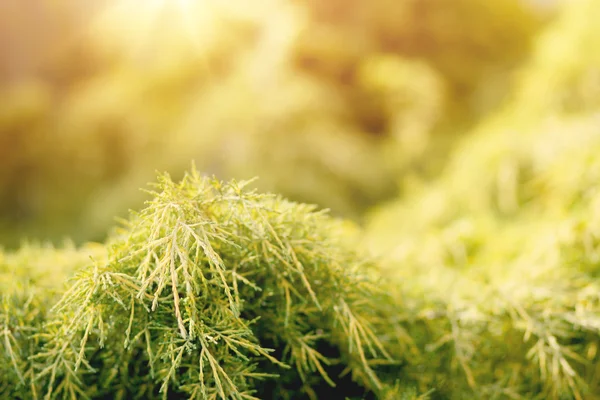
{"x": 211, "y": 292}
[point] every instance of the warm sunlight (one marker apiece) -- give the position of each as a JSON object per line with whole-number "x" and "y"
{"x": 139, "y": 28}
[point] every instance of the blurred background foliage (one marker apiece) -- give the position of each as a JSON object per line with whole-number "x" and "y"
{"x": 337, "y": 103}
{"x": 503, "y": 246}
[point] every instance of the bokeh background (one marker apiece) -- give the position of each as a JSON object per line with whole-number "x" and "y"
{"x": 348, "y": 104}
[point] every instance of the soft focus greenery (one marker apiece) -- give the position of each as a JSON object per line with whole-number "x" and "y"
{"x": 463, "y": 138}
{"x": 327, "y": 102}
{"x": 499, "y": 256}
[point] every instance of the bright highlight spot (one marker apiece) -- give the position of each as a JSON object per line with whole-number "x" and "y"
{"x": 147, "y": 29}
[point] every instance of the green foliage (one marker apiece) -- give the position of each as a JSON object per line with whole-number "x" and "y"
{"x": 499, "y": 261}
{"x": 95, "y": 107}
{"x": 562, "y": 76}
{"x": 31, "y": 281}
{"x": 489, "y": 285}
{"x": 210, "y": 292}
{"x": 498, "y": 258}
{"x": 465, "y": 41}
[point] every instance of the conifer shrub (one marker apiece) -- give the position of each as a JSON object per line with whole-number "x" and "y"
{"x": 499, "y": 256}
{"x": 31, "y": 281}
{"x": 497, "y": 260}
{"x": 212, "y": 291}
{"x": 497, "y": 264}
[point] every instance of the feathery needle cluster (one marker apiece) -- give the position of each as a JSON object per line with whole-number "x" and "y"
{"x": 212, "y": 291}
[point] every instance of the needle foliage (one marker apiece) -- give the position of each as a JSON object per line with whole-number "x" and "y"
{"x": 210, "y": 292}
{"x": 500, "y": 256}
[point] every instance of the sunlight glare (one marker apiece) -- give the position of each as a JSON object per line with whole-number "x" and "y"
{"x": 139, "y": 27}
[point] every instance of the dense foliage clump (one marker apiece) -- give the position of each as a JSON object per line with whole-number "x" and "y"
{"x": 500, "y": 264}
{"x": 499, "y": 256}
{"x": 210, "y": 292}
{"x": 31, "y": 282}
